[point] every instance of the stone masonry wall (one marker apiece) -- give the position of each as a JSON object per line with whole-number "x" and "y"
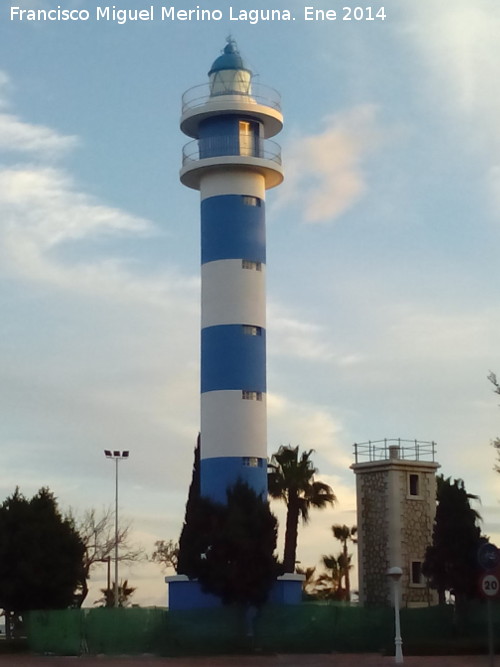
{"x": 417, "y": 521}
{"x": 373, "y": 488}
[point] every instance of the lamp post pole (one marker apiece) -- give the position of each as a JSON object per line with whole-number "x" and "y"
{"x": 116, "y": 456}
{"x": 395, "y": 573}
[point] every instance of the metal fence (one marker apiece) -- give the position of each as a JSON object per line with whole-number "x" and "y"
{"x": 304, "y": 628}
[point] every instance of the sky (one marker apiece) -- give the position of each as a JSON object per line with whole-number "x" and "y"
{"x": 382, "y": 243}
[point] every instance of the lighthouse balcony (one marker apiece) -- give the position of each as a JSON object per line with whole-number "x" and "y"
{"x": 257, "y": 93}
{"x": 253, "y": 99}
{"x": 260, "y": 155}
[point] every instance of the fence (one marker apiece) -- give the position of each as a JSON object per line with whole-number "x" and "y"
{"x": 305, "y": 628}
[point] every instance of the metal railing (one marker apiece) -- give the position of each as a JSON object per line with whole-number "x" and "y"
{"x": 407, "y": 450}
{"x": 200, "y": 149}
{"x": 257, "y": 93}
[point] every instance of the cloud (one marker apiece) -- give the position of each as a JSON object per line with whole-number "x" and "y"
{"x": 43, "y": 211}
{"x": 40, "y": 211}
{"x": 309, "y": 426}
{"x": 20, "y": 137}
{"x": 304, "y": 340}
{"x": 325, "y": 171}
{"x": 458, "y": 43}
{"x": 461, "y": 45}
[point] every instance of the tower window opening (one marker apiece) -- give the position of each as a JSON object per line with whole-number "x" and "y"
{"x": 416, "y": 574}
{"x": 251, "y": 395}
{"x": 252, "y": 462}
{"x": 246, "y": 137}
{"x": 250, "y": 201}
{"x": 251, "y": 330}
{"x": 248, "y": 264}
{"x": 414, "y": 485}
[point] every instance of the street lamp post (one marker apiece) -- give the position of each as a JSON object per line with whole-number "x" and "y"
{"x": 116, "y": 456}
{"x": 395, "y": 573}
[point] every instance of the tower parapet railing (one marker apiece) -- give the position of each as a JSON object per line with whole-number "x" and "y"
{"x": 200, "y": 149}
{"x": 394, "y": 448}
{"x": 256, "y": 93}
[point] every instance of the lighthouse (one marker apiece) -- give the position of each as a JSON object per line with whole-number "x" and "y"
{"x": 232, "y": 161}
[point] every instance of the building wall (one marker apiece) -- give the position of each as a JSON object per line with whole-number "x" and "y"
{"x": 394, "y": 528}
{"x": 373, "y": 535}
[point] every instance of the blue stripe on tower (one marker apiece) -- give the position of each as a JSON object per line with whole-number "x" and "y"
{"x": 232, "y": 229}
{"x": 232, "y": 358}
{"x": 218, "y": 474}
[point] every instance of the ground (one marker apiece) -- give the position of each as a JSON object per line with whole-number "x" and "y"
{"x": 336, "y": 660}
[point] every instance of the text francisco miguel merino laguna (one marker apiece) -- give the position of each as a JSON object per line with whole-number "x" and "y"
{"x": 163, "y": 13}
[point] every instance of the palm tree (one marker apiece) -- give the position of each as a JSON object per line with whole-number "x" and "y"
{"x": 345, "y": 534}
{"x": 291, "y": 479}
{"x": 125, "y": 592}
{"x": 309, "y": 582}
{"x": 328, "y": 583}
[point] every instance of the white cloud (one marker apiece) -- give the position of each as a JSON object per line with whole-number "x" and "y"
{"x": 309, "y": 426}
{"x": 20, "y": 137}
{"x": 290, "y": 336}
{"x": 458, "y": 42}
{"x": 42, "y": 210}
{"x": 325, "y": 171}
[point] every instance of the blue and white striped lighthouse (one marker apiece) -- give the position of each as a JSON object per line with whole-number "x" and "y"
{"x": 232, "y": 162}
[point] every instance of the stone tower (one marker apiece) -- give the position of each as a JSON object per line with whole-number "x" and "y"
{"x": 396, "y": 506}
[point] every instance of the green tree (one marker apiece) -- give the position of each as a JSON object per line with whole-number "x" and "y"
{"x": 189, "y": 537}
{"x": 291, "y": 478}
{"x": 41, "y": 555}
{"x": 345, "y": 534}
{"x": 233, "y": 553}
{"x": 451, "y": 562}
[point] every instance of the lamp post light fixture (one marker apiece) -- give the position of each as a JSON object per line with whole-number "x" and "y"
{"x": 116, "y": 455}
{"x": 395, "y": 573}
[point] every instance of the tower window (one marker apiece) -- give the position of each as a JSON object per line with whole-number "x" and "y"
{"x": 250, "y": 201}
{"x": 251, "y": 330}
{"x": 416, "y": 575}
{"x": 252, "y": 462}
{"x": 247, "y": 132}
{"x": 414, "y": 484}
{"x": 251, "y": 395}
{"x": 253, "y": 266}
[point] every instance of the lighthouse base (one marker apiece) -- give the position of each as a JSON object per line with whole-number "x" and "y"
{"x": 185, "y": 593}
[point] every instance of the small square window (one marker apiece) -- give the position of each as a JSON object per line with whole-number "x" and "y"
{"x": 251, "y": 395}
{"x": 251, "y": 330}
{"x": 250, "y": 201}
{"x": 252, "y": 462}
{"x": 253, "y": 266}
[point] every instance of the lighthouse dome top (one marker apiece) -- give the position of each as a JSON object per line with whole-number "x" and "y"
{"x": 230, "y": 59}
{"x": 231, "y": 91}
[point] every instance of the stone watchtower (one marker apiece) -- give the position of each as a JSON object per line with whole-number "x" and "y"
{"x": 396, "y": 506}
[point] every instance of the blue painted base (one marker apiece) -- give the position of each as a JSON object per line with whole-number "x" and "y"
{"x": 184, "y": 593}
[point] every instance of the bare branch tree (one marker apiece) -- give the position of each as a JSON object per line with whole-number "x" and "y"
{"x": 496, "y": 442}
{"x": 97, "y": 531}
{"x": 166, "y": 554}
